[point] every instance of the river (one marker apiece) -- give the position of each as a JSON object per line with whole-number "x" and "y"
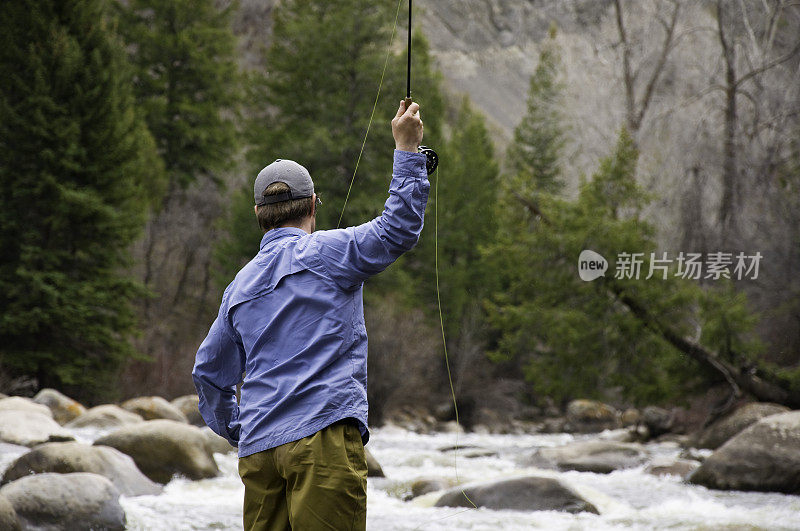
{"x": 627, "y": 499}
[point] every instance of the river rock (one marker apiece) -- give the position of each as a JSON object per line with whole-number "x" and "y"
{"x": 29, "y": 428}
{"x": 680, "y": 467}
{"x": 601, "y": 457}
{"x": 18, "y": 403}
{"x": 64, "y": 458}
{"x": 374, "y": 469}
{"x": 163, "y": 448}
{"x": 722, "y": 430}
{"x": 590, "y": 416}
{"x": 216, "y": 444}
{"x": 630, "y": 417}
{"x": 763, "y": 457}
{"x": 554, "y": 425}
{"x": 8, "y": 516}
{"x": 658, "y": 420}
{"x": 69, "y": 502}
{"x": 519, "y": 494}
{"x": 154, "y": 408}
{"x": 189, "y": 406}
{"x": 425, "y": 485}
{"x": 63, "y": 408}
{"x": 105, "y": 416}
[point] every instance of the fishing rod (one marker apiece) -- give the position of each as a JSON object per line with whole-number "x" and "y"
{"x": 431, "y": 158}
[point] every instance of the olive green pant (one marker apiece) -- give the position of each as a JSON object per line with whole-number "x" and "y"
{"x": 318, "y": 482}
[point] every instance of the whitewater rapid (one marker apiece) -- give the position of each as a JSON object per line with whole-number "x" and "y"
{"x": 627, "y": 499}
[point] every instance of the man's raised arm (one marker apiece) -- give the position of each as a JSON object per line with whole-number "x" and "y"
{"x": 354, "y": 254}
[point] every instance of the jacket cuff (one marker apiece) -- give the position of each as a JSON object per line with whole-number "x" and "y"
{"x": 409, "y": 163}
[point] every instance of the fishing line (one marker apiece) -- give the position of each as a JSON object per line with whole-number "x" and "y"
{"x": 372, "y": 114}
{"x": 441, "y": 324}
{"x": 431, "y": 165}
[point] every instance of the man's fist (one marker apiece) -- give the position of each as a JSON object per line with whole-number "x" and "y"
{"x": 407, "y": 127}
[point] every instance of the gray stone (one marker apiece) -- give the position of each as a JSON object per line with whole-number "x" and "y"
{"x": 29, "y": 428}
{"x": 154, "y": 408}
{"x": 163, "y": 448}
{"x": 68, "y": 502}
{"x": 18, "y": 403}
{"x": 630, "y": 417}
{"x": 8, "y": 516}
{"x": 658, "y": 420}
{"x": 590, "y": 416}
{"x": 216, "y": 444}
{"x": 105, "y": 416}
{"x": 680, "y": 467}
{"x": 425, "y": 485}
{"x": 469, "y": 451}
{"x": 63, "y": 408}
{"x": 519, "y": 494}
{"x": 554, "y": 425}
{"x": 374, "y": 469}
{"x": 722, "y": 430}
{"x": 601, "y": 457}
{"x": 68, "y": 457}
{"x": 189, "y": 406}
{"x": 763, "y": 457}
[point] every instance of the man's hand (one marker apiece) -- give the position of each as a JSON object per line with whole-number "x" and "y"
{"x": 407, "y": 127}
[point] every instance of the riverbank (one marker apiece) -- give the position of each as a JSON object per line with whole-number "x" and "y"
{"x": 149, "y": 468}
{"x": 626, "y": 499}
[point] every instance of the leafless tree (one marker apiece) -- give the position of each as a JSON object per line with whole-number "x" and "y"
{"x": 640, "y": 80}
{"x": 752, "y": 44}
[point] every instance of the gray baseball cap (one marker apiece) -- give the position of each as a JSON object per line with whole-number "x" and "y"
{"x": 295, "y": 176}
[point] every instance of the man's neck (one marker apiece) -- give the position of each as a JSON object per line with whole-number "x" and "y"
{"x": 306, "y": 225}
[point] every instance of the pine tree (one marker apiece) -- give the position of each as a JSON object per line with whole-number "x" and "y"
{"x": 323, "y": 72}
{"x": 187, "y": 81}
{"x": 78, "y": 172}
{"x": 576, "y": 338}
{"x": 463, "y": 196}
{"x": 539, "y": 138}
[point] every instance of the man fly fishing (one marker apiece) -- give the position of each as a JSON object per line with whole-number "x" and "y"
{"x": 292, "y": 322}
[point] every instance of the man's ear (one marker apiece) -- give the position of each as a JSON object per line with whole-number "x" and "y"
{"x": 255, "y": 209}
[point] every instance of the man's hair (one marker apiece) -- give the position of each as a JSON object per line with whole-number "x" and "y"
{"x": 277, "y": 214}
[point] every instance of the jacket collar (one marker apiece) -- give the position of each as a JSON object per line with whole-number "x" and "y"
{"x": 281, "y": 232}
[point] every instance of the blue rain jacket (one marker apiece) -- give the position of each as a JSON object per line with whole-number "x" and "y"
{"x": 292, "y": 321}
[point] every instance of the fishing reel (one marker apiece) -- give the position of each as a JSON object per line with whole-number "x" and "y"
{"x": 431, "y": 159}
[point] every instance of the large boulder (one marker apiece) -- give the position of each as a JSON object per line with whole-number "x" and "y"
{"x": 764, "y": 457}
{"x": 216, "y": 444}
{"x": 154, "y": 408}
{"x": 63, "y": 408}
{"x": 105, "y": 416}
{"x": 601, "y": 457}
{"x": 590, "y": 416}
{"x": 8, "y": 516}
{"x": 29, "y": 428}
{"x": 189, "y": 405}
{"x": 658, "y": 420}
{"x": 64, "y": 458}
{"x": 18, "y": 403}
{"x": 163, "y": 448}
{"x": 374, "y": 469}
{"x": 69, "y": 502}
{"x": 722, "y": 430}
{"x": 519, "y": 494}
